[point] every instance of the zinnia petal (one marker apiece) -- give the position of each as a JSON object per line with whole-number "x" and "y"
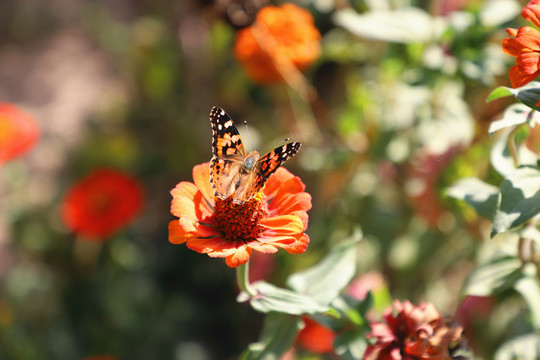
{"x": 239, "y": 257}
{"x": 201, "y": 178}
{"x": 177, "y": 235}
{"x": 529, "y": 38}
{"x": 531, "y": 12}
{"x": 518, "y": 78}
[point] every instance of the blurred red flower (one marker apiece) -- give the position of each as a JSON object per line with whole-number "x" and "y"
{"x": 275, "y": 218}
{"x": 280, "y": 38}
{"x": 315, "y": 337}
{"x": 18, "y": 132}
{"x": 101, "y": 203}
{"x": 524, "y": 44}
{"x": 413, "y": 333}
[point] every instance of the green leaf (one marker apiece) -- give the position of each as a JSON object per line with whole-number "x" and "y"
{"x": 351, "y": 345}
{"x": 529, "y": 288}
{"x": 272, "y": 298}
{"x": 481, "y": 196}
{"x": 520, "y": 200}
{"x": 494, "y": 276}
{"x": 500, "y": 156}
{"x": 500, "y": 92}
{"x": 522, "y": 347}
{"x": 277, "y": 337}
{"x": 515, "y": 114}
{"x": 324, "y": 281}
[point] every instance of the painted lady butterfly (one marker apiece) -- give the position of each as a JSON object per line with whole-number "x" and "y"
{"x": 234, "y": 172}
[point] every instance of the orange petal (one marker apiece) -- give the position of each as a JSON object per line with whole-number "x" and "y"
{"x": 529, "y": 38}
{"x": 531, "y": 12}
{"x": 519, "y": 78}
{"x": 299, "y": 246}
{"x": 282, "y": 225}
{"x": 263, "y": 248}
{"x": 187, "y": 201}
{"x": 512, "y": 47}
{"x": 177, "y": 235}
{"x": 528, "y": 62}
{"x": 289, "y": 203}
{"x": 212, "y": 246}
{"x": 276, "y": 180}
{"x": 512, "y": 32}
{"x": 239, "y": 257}
{"x": 194, "y": 228}
{"x": 201, "y": 178}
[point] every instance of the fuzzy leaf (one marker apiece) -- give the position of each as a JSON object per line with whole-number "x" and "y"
{"x": 272, "y": 298}
{"x": 522, "y": 347}
{"x": 498, "y": 274}
{"x": 324, "y": 281}
{"x": 520, "y": 200}
{"x": 481, "y": 196}
{"x": 515, "y": 114}
{"x": 277, "y": 337}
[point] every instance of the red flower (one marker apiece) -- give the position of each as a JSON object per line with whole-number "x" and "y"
{"x": 413, "y": 333}
{"x": 18, "y": 132}
{"x": 101, "y": 203}
{"x": 315, "y": 337}
{"x": 524, "y": 44}
{"x": 275, "y": 218}
{"x": 280, "y": 38}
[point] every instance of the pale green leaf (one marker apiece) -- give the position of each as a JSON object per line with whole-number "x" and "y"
{"x": 351, "y": 345}
{"x": 277, "y": 337}
{"x": 520, "y": 200}
{"x": 406, "y": 25}
{"x": 499, "y": 92}
{"x": 515, "y": 114}
{"x": 529, "y": 288}
{"x": 272, "y": 298}
{"x": 524, "y": 347}
{"x": 498, "y": 274}
{"x": 324, "y": 281}
{"x": 481, "y": 196}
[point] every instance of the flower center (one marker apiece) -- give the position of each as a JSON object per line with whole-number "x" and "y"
{"x": 239, "y": 222}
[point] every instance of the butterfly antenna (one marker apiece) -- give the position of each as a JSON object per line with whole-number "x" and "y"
{"x": 248, "y": 134}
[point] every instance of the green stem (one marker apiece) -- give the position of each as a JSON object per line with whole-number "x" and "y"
{"x": 242, "y": 279}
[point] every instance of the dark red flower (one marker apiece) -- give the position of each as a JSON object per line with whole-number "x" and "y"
{"x": 101, "y": 203}
{"x": 413, "y": 333}
{"x": 315, "y": 337}
{"x": 18, "y": 132}
{"x": 275, "y": 218}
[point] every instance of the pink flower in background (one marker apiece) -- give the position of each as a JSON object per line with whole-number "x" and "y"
{"x": 18, "y": 132}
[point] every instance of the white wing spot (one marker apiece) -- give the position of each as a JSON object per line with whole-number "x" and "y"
{"x": 219, "y": 127}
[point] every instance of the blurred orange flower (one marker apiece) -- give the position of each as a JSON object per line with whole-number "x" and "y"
{"x": 275, "y": 218}
{"x": 18, "y": 132}
{"x": 315, "y": 337}
{"x": 281, "y": 38}
{"x": 413, "y": 332}
{"x": 524, "y": 44}
{"x": 101, "y": 203}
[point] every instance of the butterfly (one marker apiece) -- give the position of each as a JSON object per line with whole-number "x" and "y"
{"x": 235, "y": 173}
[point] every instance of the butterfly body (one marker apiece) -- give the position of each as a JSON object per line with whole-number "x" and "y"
{"x": 235, "y": 173}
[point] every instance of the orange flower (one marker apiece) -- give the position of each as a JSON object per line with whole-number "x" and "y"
{"x": 413, "y": 332}
{"x": 101, "y": 203}
{"x": 524, "y": 44}
{"x": 280, "y": 38}
{"x": 275, "y": 218}
{"x": 18, "y": 132}
{"x": 315, "y": 337}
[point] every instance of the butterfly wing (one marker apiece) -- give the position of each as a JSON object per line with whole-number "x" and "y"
{"x": 267, "y": 165}
{"x": 228, "y": 153}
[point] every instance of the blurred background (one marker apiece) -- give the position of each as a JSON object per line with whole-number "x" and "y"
{"x": 390, "y": 114}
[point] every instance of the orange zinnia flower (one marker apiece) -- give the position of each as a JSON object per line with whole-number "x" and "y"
{"x": 101, "y": 203}
{"x": 275, "y": 218}
{"x": 18, "y": 132}
{"x": 414, "y": 332}
{"x": 280, "y": 38}
{"x": 525, "y": 46}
